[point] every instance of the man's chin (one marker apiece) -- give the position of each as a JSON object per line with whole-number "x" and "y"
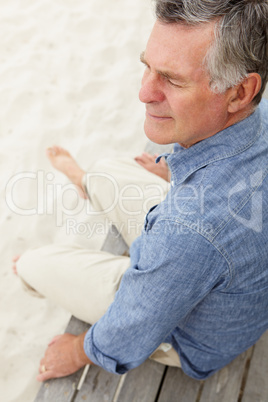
{"x": 156, "y": 136}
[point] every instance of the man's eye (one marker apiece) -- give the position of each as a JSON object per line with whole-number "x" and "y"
{"x": 172, "y": 82}
{"x": 174, "y": 85}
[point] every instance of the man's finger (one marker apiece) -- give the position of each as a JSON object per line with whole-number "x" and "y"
{"x": 47, "y": 375}
{"x": 141, "y": 163}
{"x": 147, "y": 156}
{"x": 144, "y": 157}
{"x": 139, "y": 160}
{"x": 53, "y": 340}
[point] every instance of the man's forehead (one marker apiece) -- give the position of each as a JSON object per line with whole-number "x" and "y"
{"x": 173, "y": 46}
{"x": 176, "y": 37}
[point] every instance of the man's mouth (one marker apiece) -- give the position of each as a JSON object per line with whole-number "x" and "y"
{"x": 157, "y": 117}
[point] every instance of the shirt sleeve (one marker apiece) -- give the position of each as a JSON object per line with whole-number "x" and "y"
{"x": 173, "y": 270}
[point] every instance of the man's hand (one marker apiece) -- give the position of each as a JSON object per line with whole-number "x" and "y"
{"x": 148, "y": 162}
{"x": 64, "y": 356}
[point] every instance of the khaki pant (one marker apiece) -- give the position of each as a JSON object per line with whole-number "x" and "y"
{"x": 83, "y": 280}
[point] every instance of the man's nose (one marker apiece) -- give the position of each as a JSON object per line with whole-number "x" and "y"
{"x": 151, "y": 88}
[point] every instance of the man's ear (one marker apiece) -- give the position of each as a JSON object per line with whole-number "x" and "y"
{"x": 243, "y": 94}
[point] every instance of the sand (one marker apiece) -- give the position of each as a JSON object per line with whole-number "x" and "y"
{"x": 69, "y": 75}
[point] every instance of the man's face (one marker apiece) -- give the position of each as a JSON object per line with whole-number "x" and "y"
{"x": 180, "y": 106}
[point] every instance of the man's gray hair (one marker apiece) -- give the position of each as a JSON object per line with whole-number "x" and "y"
{"x": 241, "y": 38}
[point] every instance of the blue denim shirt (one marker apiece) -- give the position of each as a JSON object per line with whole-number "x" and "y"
{"x": 199, "y": 272}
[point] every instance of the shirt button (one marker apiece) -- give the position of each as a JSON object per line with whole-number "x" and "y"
{"x": 172, "y": 183}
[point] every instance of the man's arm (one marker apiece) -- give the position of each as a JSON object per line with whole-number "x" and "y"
{"x": 173, "y": 271}
{"x": 64, "y": 356}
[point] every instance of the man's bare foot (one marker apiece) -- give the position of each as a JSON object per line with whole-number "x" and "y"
{"x": 15, "y": 259}
{"x": 63, "y": 161}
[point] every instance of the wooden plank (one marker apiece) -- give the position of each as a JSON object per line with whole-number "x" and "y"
{"x": 225, "y": 385}
{"x": 63, "y": 389}
{"x": 114, "y": 242}
{"x": 76, "y": 326}
{"x": 256, "y": 388}
{"x": 142, "y": 383}
{"x": 177, "y": 386}
{"x": 99, "y": 386}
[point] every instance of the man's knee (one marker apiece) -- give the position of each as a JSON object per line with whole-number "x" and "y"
{"x": 26, "y": 263}
{"x": 34, "y": 263}
{"x": 26, "y": 266}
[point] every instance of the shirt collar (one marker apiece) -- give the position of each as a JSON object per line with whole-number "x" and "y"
{"x": 229, "y": 142}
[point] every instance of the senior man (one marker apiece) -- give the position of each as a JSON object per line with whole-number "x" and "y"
{"x": 194, "y": 292}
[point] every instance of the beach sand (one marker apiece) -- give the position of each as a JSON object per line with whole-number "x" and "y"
{"x": 69, "y": 75}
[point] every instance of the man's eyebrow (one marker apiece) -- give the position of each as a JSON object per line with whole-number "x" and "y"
{"x": 142, "y": 58}
{"x": 167, "y": 74}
